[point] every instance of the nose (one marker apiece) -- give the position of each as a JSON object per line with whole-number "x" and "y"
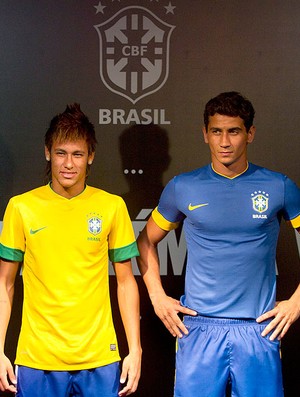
{"x": 224, "y": 140}
{"x": 68, "y": 163}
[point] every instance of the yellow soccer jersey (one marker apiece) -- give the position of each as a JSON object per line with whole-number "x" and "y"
{"x": 67, "y": 321}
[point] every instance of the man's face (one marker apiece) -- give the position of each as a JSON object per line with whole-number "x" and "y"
{"x": 228, "y": 138}
{"x": 69, "y": 162}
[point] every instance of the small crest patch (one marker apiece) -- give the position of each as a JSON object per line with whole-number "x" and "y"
{"x": 94, "y": 225}
{"x": 260, "y": 201}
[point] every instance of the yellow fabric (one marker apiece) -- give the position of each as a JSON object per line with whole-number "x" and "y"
{"x": 67, "y": 322}
{"x": 162, "y": 222}
{"x": 296, "y": 222}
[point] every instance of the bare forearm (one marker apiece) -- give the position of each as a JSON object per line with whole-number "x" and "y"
{"x": 5, "y": 313}
{"x": 8, "y": 271}
{"x": 151, "y": 275}
{"x": 148, "y": 261}
{"x": 296, "y": 298}
{"x": 128, "y": 299}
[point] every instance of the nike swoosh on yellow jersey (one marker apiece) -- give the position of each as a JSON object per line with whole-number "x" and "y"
{"x": 37, "y": 230}
{"x": 194, "y": 207}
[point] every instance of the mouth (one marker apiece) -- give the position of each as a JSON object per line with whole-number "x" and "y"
{"x": 67, "y": 175}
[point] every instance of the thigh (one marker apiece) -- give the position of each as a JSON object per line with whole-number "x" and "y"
{"x": 102, "y": 381}
{"x": 256, "y": 363}
{"x": 35, "y": 383}
{"x": 202, "y": 361}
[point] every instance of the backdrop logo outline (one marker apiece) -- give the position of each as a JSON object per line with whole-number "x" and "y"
{"x": 134, "y": 52}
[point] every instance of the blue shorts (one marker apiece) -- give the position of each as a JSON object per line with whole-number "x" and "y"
{"x": 218, "y": 351}
{"x": 101, "y": 381}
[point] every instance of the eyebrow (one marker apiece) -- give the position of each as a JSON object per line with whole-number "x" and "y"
{"x": 64, "y": 151}
{"x": 229, "y": 129}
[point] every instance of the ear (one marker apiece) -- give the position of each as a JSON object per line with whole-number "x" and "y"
{"x": 204, "y": 134}
{"x": 91, "y": 158}
{"x": 251, "y": 134}
{"x": 47, "y": 154}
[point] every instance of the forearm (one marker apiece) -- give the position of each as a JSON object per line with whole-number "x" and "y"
{"x": 148, "y": 261}
{"x": 8, "y": 272}
{"x": 128, "y": 299}
{"x": 295, "y": 298}
{"x": 5, "y": 313}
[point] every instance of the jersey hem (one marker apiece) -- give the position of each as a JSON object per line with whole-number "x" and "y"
{"x": 77, "y": 367}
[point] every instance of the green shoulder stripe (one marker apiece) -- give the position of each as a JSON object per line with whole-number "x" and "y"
{"x": 124, "y": 253}
{"x": 11, "y": 254}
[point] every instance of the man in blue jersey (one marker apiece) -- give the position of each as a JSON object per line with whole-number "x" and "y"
{"x": 231, "y": 212}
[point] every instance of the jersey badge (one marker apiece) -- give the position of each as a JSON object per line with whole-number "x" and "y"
{"x": 94, "y": 225}
{"x": 113, "y": 347}
{"x": 260, "y": 201}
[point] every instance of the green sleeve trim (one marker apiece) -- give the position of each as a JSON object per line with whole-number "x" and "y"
{"x": 124, "y": 253}
{"x": 11, "y": 254}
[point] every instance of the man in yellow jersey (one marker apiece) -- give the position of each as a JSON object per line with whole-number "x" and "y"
{"x": 64, "y": 233}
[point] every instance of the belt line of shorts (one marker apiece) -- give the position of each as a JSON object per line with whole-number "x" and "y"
{"x": 223, "y": 321}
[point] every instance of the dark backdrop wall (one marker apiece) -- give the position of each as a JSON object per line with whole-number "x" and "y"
{"x": 143, "y": 70}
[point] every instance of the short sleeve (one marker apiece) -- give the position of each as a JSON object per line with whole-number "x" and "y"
{"x": 12, "y": 240}
{"x": 121, "y": 239}
{"x": 291, "y": 210}
{"x": 167, "y": 215}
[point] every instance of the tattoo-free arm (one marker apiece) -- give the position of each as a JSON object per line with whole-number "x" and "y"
{"x": 284, "y": 315}
{"x": 8, "y": 271}
{"x": 165, "y": 307}
{"x": 128, "y": 299}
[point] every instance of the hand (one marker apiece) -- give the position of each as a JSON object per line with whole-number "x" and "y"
{"x": 285, "y": 314}
{"x": 167, "y": 310}
{"x": 7, "y": 373}
{"x": 131, "y": 371}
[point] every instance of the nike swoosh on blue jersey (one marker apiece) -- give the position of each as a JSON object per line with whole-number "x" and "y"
{"x": 194, "y": 207}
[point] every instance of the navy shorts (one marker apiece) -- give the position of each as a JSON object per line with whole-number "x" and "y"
{"x": 101, "y": 381}
{"x": 220, "y": 350}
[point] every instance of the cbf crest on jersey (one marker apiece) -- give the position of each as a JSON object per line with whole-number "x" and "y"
{"x": 260, "y": 201}
{"x": 94, "y": 225}
{"x": 134, "y": 52}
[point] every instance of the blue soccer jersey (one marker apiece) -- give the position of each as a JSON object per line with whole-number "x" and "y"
{"x": 231, "y": 228}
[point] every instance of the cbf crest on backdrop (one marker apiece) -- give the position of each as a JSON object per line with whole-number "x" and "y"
{"x": 134, "y": 52}
{"x": 134, "y": 49}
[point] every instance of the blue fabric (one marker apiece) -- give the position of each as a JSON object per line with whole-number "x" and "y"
{"x": 102, "y": 381}
{"x": 218, "y": 350}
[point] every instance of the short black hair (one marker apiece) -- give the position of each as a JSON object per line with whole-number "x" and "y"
{"x": 231, "y": 104}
